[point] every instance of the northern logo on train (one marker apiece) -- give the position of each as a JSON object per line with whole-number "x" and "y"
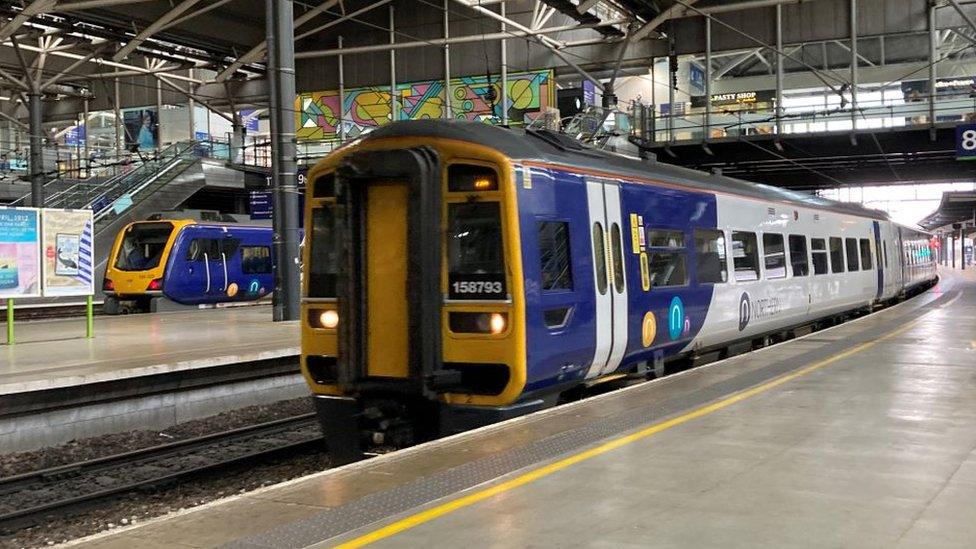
{"x": 254, "y": 287}
{"x": 676, "y": 318}
{"x": 745, "y": 311}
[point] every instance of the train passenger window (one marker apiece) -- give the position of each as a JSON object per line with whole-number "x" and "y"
{"x": 616, "y": 246}
{"x": 710, "y": 256}
{"x": 554, "y": 255}
{"x": 774, "y": 255}
{"x": 866, "y": 254}
{"x": 745, "y": 256}
{"x": 475, "y": 260}
{"x": 818, "y": 251}
{"x": 228, "y": 246}
{"x": 599, "y": 258}
{"x": 668, "y": 269}
{"x": 836, "y": 255}
{"x": 798, "y": 255}
{"x": 662, "y": 238}
{"x": 851, "y": 245}
{"x": 322, "y": 254}
{"x": 255, "y": 259}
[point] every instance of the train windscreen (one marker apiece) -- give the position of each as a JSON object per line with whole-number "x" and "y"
{"x": 323, "y": 258}
{"x": 142, "y": 247}
{"x": 475, "y": 262}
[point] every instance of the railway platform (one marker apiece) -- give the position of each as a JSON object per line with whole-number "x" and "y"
{"x": 860, "y": 435}
{"x": 136, "y": 365}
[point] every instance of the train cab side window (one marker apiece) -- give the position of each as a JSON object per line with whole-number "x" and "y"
{"x": 554, "y": 255}
{"x": 745, "y": 256}
{"x": 836, "y": 255}
{"x": 884, "y": 246}
{"x": 866, "y": 262}
{"x": 599, "y": 258}
{"x": 818, "y": 249}
{"x": 774, "y": 255}
{"x": 710, "y": 256}
{"x": 798, "y": 255}
{"x": 851, "y": 245}
{"x": 228, "y": 246}
{"x": 255, "y": 259}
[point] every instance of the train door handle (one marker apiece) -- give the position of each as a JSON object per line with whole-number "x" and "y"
{"x": 223, "y": 258}
{"x": 206, "y": 262}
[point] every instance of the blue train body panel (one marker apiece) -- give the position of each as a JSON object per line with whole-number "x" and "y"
{"x": 563, "y": 354}
{"x": 219, "y": 264}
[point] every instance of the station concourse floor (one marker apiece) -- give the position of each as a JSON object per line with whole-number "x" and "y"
{"x": 863, "y": 435}
{"x": 50, "y": 354}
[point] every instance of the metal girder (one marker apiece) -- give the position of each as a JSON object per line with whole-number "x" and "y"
{"x": 734, "y": 63}
{"x": 257, "y": 52}
{"x": 36, "y": 7}
{"x": 545, "y": 40}
{"x": 91, "y": 4}
{"x": 346, "y": 17}
{"x": 587, "y": 5}
{"x": 859, "y": 56}
{"x": 71, "y": 67}
{"x": 669, "y": 13}
{"x": 194, "y": 97}
{"x": 154, "y": 27}
{"x": 969, "y": 20}
{"x": 106, "y": 62}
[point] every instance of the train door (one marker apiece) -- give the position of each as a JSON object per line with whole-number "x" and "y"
{"x": 878, "y": 259}
{"x": 610, "y": 292}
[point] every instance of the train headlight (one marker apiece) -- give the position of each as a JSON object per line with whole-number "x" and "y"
{"x": 478, "y": 323}
{"x": 496, "y": 323}
{"x": 328, "y": 318}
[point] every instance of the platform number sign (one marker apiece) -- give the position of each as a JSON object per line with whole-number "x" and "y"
{"x": 966, "y": 142}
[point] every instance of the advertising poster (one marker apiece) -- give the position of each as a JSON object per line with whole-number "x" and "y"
{"x": 19, "y": 251}
{"x": 67, "y": 247}
{"x": 141, "y": 129}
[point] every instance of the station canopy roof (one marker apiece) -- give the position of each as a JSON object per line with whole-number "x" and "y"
{"x": 956, "y": 207}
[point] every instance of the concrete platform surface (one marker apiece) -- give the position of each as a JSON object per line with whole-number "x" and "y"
{"x": 859, "y": 436}
{"x": 51, "y": 354}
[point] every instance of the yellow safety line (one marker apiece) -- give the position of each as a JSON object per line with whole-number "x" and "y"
{"x": 546, "y": 470}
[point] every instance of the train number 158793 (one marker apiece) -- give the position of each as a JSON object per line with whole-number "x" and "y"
{"x": 479, "y": 287}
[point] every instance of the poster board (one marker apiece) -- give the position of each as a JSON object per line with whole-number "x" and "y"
{"x": 20, "y": 230}
{"x": 67, "y": 252}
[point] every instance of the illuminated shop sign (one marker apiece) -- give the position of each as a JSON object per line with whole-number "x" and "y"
{"x": 736, "y": 98}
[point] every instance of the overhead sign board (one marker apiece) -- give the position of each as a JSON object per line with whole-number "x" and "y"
{"x": 735, "y": 98}
{"x": 966, "y": 142}
{"x": 20, "y": 230}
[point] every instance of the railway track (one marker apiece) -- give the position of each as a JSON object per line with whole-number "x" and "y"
{"x": 28, "y": 497}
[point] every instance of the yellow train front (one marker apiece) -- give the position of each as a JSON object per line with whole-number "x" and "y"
{"x": 399, "y": 342}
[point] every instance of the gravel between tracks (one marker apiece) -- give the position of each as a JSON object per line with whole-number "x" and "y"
{"x": 141, "y": 506}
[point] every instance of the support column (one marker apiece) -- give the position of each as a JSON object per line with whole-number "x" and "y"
{"x": 933, "y": 60}
{"x": 394, "y": 111}
{"x": 281, "y": 69}
{"x": 191, "y": 117}
{"x": 119, "y": 140}
{"x": 237, "y": 140}
{"x": 85, "y": 151}
{"x": 779, "y": 69}
{"x": 854, "y": 111}
{"x": 504, "y": 58}
{"x": 341, "y": 130}
{"x": 447, "y": 62}
{"x": 159, "y": 116}
{"x": 36, "y": 149}
{"x": 708, "y": 76}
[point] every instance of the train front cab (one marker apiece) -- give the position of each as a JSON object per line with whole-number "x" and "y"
{"x": 412, "y": 313}
{"x": 135, "y": 268}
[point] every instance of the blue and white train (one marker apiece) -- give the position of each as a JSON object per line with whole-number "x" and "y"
{"x": 458, "y": 274}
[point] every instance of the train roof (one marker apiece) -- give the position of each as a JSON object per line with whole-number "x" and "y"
{"x": 552, "y": 147}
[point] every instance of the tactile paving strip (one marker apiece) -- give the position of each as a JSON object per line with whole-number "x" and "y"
{"x": 378, "y": 506}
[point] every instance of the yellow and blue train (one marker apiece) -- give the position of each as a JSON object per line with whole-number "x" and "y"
{"x": 187, "y": 262}
{"x": 457, "y": 274}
